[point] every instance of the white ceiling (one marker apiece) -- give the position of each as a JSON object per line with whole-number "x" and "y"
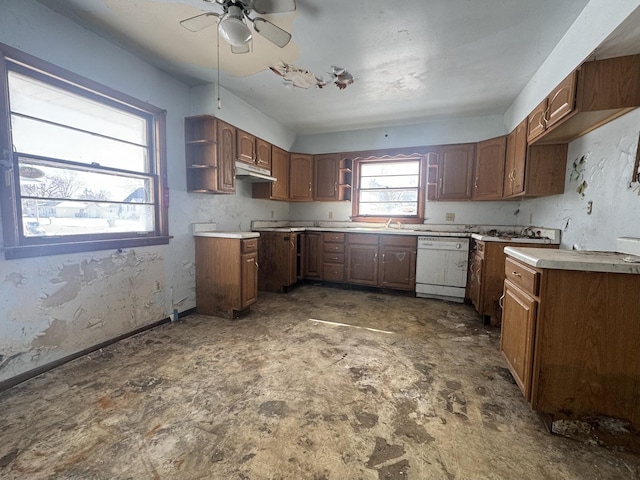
{"x": 413, "y": 60}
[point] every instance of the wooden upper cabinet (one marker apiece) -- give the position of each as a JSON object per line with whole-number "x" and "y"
{"x": 594, "y": 94}
{"x": 246, "y": 146}
{"x": 278, "y": 190}
{"x": 561, "y": 101}
{"x": 226, "y": 157}
{"x": 516, "y": 155}
{"x": 456, "y": 172}
{"x": 253, "y": 150}
{"x": 300, "y": 177}
{"x": 325, "y": 177}
{"x": 557, "y": 105}
{"x": 489, "y": 169}
{"x": 263, "y": 154}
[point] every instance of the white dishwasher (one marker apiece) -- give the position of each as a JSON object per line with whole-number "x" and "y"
{"x": 441, "y": 267}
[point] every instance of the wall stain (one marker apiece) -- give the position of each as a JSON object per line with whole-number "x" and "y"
{"x": 52, "y": 336}
{"x": 17, "y": 279}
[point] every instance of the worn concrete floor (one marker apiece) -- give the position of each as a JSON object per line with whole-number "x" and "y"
{"x": 413, "y": 389}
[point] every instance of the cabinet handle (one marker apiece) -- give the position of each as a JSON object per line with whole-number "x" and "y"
{"x": 375, "y": 257}
{"x": 257, "y": 266}
{"x": 309, "y": 186}
{"x": 516, "y": 274}
{"x": 475, "y": 185}
{"x": 501, "y": 302}
{"x": 440, "y": 187}
{"x": 335, "y": 187}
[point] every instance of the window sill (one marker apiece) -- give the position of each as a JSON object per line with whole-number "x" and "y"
{"x": 26, "y": 251}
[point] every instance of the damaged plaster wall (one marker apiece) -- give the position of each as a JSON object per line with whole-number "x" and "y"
{"x": 605, "y": 179}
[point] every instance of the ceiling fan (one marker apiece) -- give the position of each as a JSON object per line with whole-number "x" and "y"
{"x": 232, "y": 22}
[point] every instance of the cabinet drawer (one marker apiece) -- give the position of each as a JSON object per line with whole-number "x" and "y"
{"x": 363, "y": 238}
{"x": 334, "y": 247}
{"x": 333, "y": 272}
{"x": 525, "y": 277}
{"x": 399, "y": 240}
{"x": 333, "y": 237}
{"x": 334, "y": 258}
{"x": 250, "y": 245}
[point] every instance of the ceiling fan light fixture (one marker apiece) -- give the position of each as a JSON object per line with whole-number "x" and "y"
{"x": 233, "y": 29}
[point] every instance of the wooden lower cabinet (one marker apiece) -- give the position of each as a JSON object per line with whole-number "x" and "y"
{"x": 313, "y": 255}
{"x": 570, "y": 339}
{"x": 226, "y": 275}
{"x": 382, "y": 260}
{"x": 281, "y": 261}
{"x": 333, "y": 257}
{"x": 486, "y": 275}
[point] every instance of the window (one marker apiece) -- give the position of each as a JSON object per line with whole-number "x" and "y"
{"x": 83, "y": 167}
{"x": 389, "y": 187}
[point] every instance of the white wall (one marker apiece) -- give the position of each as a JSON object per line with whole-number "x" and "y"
{"x": 610, "y": 153}
{"x": 440, "y": 132}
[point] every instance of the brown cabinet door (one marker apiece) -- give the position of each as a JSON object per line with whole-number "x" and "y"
{"x": 362, "y": 264}
{"x": 489, "y": 169}
{"x": 249, "y": 276}
{"x": 515, "y": 161}
{"x": 537, "y": 121}
{"x": 226, "y": 158}
{"x": 562, "y": 100}
{"x": 263, "y": 154}
{"x": 325, "y": 178}
{"x": 398, "y": 268}
{"x": 456, "y": 172}
{"x": 280, "y": 170}
{"x": 313, "y": 254}
{"x": 246, "y": 147}
{"x": 300, "y": 174}
{"x": 517, "y": 335}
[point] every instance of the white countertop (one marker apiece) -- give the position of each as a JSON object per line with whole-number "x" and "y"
{"x": 506, "y": 238}
{"x": 587, "y": 261}
{"x": 383, "y": 231}
{"x": 216, "y": 234}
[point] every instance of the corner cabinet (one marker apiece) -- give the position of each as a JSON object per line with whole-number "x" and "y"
{"x": 210, "y": 155}
{"x": 533, "y": 170}
{"x": 226, "y": 275}
{"x": 570, "y": 339}
{"x": 594, "y": 94}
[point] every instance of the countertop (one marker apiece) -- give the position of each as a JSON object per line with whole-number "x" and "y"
{"x": 507, "y": 238}
{"x": 216, "y": 234}
{"x": 383, "y": 231}
{"x": 587, "y": 261}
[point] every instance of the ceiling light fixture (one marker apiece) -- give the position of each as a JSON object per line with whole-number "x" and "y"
{"x": 233, "y": 29}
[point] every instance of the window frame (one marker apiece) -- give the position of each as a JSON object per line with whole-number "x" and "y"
{"x": 16, "y": 244}
{"x": 389, "y": 158}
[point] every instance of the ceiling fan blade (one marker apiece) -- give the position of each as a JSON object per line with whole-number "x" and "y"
{"x": 246, "y": 48}
{"x": 273, "y": 6}
{"x": 200, "y": 22}
{"x": 271, "y": 32}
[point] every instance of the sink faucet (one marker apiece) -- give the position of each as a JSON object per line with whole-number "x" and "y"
{"x": 388, "y": 223}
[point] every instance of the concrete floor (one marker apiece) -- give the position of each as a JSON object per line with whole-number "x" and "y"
{"x": 413, "y": 389}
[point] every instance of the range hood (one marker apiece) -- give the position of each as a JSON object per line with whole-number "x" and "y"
{"x": 252, "y": 173}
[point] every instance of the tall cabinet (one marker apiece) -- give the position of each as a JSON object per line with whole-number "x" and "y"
{"x": 210, "y": 155}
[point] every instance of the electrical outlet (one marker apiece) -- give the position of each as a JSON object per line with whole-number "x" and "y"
{"x": 271, "y": 213}
{"x": 330, "y": 215}
{"x": 530, "y": 218}
{"x": 589, "y": 207}
{"x": 450, "y": 217}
